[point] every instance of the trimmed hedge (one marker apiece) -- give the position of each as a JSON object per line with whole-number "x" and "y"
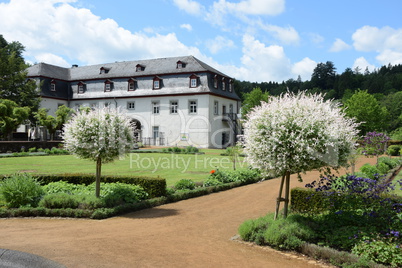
{"x": 155, "y": 187}
{"x": 308, "y": 200}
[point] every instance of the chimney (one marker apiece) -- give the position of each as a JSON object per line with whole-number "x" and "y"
{"x": 74, "y": 66}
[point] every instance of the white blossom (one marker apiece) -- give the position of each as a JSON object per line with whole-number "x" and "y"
{"x": 297, "y": 133}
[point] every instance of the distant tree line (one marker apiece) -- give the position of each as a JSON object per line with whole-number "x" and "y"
{"x": 373, "y": 98}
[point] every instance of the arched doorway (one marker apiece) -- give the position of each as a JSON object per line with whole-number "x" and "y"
{"x": 137, "y": 130}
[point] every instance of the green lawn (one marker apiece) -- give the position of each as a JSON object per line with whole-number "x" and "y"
{"x": 172, "y": 167}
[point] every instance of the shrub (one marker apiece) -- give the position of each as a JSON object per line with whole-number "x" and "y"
{"x": 394, "y": 150}
{"x": 185, "y": 184}
{"x": 59, "y": 200}
{"x": 60, "y": 187}
{"x": 191, "y": 149}
{"x": 21, "y": 190}
{"x": 390, "y": 162}
{"x": 32, "y": 149}
{"x": 118, "y": 193}
{"x": 379, "y": 251}
{"x": 212, "y": 182}
{"x": 370, "y": 171}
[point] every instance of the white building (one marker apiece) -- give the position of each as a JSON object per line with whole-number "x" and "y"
{"x": 173, "y": 101}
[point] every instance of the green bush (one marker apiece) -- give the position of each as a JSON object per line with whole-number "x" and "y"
{"x": 390, "y": 162}
{"x": 394, "y": 150}
{"x": 59, "y": 200}
{"x": 184, "y": 184}
{"x": 370, "y": 171}
{"x": 289, "y": 234}
{"x": 21, "y": 190}
{"x": 119, "y": 193}
{"x": 379, "y": 251}
{"x": 153, "y": 186}
{"x": 191, "y": 149}
{"x": 211, "y": 182}
{"x": 61, "y": 187}
{"x": 32, "y": 149}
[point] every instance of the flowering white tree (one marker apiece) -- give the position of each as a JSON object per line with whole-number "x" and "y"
{"x": 295, "y": 133}
{"x": 101, "y": 135}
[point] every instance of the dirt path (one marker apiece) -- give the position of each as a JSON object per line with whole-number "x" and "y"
{"x": 191, "y": 233}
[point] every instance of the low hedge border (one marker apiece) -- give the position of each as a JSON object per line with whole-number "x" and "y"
{"x": 155, "y": 187}
{"x": 103, "y": 213}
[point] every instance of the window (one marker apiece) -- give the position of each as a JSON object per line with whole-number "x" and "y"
{"x": 131, "y": 84}
{"x": 157, "y": 82}
{"x": 174, "y": 105}
{"x": 215, "y": 81}
{"x": 139, "y": 68}
{"x": 131, "y": 105}
{"x": 155, "y": 107}
{"x": 81, "y": 88}
{"x": 224, "y": 109}
{"x": 53, "y": 85}
{"x": 193, "y": 80}
{"x": 193, "y": 107}
{"x": 216, "y": 107}
{"x": 223, "y": 84}
{"x": 231, "y": 108}
{"x": 180, "y": 65}
{"x": 155, "y": 131}
{"x": 103, "y": 70}
{"x": 108, "y": 85}
{"x": 230, "y": 85}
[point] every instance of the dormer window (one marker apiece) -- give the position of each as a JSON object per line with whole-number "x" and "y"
{"x": 215, "y": 81}
{"x": 81, "y": 87}
{"x": 194, "y": 80}
{"x": 157, "y": 82}
{"x": 139, "y": 68}
{"x": 108, "y": 85}
{"x": 223, "y": 84}
{"x": 104, "y": 70}
{"x": 132, "y": 84}
{"x": 230, "y": 85}
{"x": 180, "y": 65}
{"x": 52, "y": 85}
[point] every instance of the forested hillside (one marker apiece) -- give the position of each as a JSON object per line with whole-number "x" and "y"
{"x": 377, "y": 95}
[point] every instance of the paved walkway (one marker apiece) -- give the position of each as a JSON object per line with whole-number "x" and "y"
{"x": 190, "y": 233}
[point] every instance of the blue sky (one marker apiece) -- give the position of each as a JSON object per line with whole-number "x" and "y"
{"x": 253, "y": 40}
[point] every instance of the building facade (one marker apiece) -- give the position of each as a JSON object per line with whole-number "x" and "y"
{"x": 177, "y": 101}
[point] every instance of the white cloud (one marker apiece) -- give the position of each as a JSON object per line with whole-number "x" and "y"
{"x": 189, "y": 6}
{"x": 362, "y": 64}
{"x": 389, "y": 56}
{"x": 186, "y": 26}
{"x": 263, "y": 63}
{"x": 54, "y": 27}
{"x": 386, "y": 41}
{"x": 286, "y": 35}
{"x": 255, "y": 7}
{"x": 218, "y": 43}
{"x": 339, "y": 45}
{"x": 304, "y": 68}
{"x": 52, "y": 59}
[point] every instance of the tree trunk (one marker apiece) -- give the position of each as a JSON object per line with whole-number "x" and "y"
{"x": 287, "y": 193}
{"x": 98, "y": 175}
{"x": 285, "y": 180}
{"x": 279, "y": 199}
